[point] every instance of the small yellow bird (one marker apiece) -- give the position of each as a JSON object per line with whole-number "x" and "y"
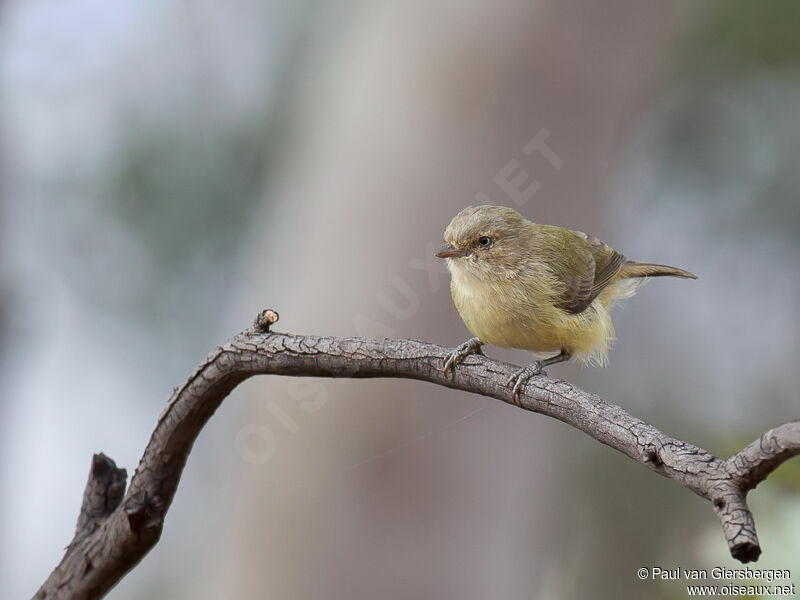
{"x": 542, "y": 288}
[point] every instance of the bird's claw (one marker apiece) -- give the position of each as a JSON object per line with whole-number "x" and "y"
{"x": 517, "y": 381}
{"x": 471, "y": 346}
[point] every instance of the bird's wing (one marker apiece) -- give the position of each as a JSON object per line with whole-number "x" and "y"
{"x": 594, "y": 266}
{"x": 608, "y": 262}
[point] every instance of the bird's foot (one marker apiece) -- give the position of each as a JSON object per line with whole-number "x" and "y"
{"x": 517, "y": 381}
{"x": 471, "y": 346}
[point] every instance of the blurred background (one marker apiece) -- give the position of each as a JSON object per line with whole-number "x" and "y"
{"x": 167, "y": 169}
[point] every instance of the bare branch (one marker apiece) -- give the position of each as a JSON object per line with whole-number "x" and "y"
{"x": 763, "y": 456}
{"x": 114, "y": 535}
{"x": 103, "y": 493}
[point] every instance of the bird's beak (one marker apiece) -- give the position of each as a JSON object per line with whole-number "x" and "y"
{"x": 450, "y": 251}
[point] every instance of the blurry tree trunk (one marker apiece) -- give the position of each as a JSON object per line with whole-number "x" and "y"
{"x": 419, "y": 109}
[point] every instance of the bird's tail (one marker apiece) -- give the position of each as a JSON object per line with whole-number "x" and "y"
{"x": 632, "y": 269}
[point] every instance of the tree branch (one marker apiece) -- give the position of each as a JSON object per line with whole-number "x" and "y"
{"x": 114, "y": 532}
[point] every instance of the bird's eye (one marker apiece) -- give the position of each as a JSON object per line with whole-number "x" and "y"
{"x": 484, "y": 241}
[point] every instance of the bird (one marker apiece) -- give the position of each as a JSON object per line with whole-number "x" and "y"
{"x": 542, "y": 288}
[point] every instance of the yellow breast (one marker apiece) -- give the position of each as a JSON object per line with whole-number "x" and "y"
{"x": 507, "y": 312}
{"x": 497, "y": 312}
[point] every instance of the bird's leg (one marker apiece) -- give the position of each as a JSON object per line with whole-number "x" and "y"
{"x": 564, "y": 356}
{"x": 471, "y": 346}
{"x": 518, "y": 379}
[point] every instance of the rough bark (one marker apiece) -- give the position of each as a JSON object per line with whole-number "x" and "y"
{"x": 115, "y": 531}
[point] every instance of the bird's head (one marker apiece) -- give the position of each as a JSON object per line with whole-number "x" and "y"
{"x": 484, "y": 239}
